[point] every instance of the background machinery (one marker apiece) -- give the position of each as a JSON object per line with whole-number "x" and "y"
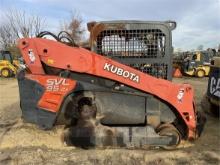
{"x": 102, "y": 101}
{"x": 8, "y": 66}
{"x": 194, "y": 63}
{"x": 197, "y": 64}
{"x": 211, "y": 100}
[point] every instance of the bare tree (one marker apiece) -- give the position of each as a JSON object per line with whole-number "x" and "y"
{"x": 74, "y": 26}
{"x": 18, "y": 24}
{"x": 24, "y": 25}
{"x": 200, "y": 47}
{"x": 7, "y": 38}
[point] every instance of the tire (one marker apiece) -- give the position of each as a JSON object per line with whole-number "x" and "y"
{"x": 6, "y": 73}
{"x": 200, "y": 73}
{"x": 170, "y": 130}
{"x": 215, "y": 111}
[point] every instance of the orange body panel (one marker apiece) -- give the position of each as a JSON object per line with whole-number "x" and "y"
{"x": 58, "y": 55}
{"x": 56, "y": 88}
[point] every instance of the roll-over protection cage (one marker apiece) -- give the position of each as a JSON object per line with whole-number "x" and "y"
{"x": 144, "y": 45}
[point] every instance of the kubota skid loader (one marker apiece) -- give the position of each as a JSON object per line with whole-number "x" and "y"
{"x": 74, "y": 86}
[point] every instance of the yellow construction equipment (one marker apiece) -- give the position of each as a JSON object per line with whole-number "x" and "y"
{"x": 197, "y": 64}
{"x": 8, "y": 66}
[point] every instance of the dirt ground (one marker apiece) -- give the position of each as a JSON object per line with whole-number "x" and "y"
{"x": 24, "y": 143}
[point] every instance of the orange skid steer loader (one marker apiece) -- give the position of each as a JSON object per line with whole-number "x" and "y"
{"x": 71, "y": 85}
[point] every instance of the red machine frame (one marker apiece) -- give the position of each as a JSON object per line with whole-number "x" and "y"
{"x": 77, "y": 59}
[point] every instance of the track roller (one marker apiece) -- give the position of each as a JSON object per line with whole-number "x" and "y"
{"x": 170, "y": 130}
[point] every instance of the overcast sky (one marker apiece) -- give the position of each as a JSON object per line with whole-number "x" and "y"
{"x": 198, "y": 21}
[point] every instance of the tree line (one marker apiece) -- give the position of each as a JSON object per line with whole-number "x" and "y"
{"x": 19, "y": 24}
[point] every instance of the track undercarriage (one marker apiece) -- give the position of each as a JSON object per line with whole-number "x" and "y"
{"x": 92, "y": 124}
{"x": 88, "y": 131}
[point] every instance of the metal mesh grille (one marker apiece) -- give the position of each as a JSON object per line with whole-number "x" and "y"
{"x": 148, "y": 43}
{"x": 156, "y": 69}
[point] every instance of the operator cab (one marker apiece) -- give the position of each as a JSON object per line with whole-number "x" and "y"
{"x": 6, "y": 55}
{"x": 143, "y": 45}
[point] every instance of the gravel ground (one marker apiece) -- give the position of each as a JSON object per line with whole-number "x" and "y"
{"x": 23, "y": 143}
